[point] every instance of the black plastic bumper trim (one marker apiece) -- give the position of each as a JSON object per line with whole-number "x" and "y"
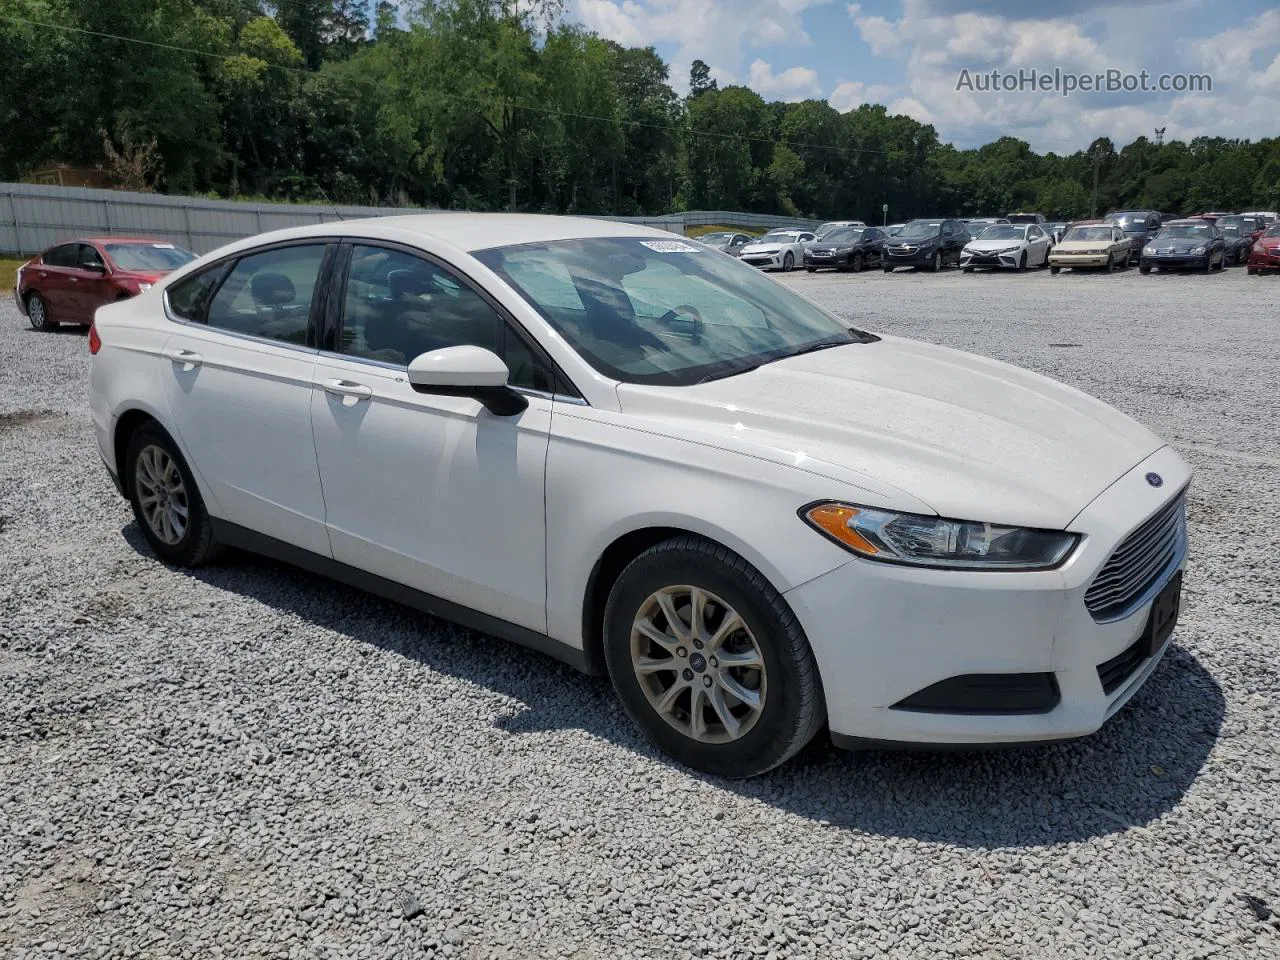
{"x": 986, "y": 694}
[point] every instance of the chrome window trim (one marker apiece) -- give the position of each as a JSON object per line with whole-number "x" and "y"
{"x": 235, "y": 334}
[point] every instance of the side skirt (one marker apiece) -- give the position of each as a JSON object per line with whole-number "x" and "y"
{"x": 234, "y": 535}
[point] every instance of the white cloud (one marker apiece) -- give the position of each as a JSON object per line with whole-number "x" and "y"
{"x": 939, "y": 41}
{"x": 794, "y": 83}
{"x": 876, "y": 32}
{"x": 715, "y": 32}
{"x": 852, "y": 94}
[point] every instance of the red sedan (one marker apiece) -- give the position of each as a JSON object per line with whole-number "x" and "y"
{"x": 1265, "y": 255}
{"x": 71, "y": 280}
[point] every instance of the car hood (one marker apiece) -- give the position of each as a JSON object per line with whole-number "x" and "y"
{"x": 763, "y": 247}
{"x": 1175, "y": 245}
{"x": 1269, "y": 243}
{"x": 143, "y": 276}
{"x": 1081, "y": 246}
{"x": 984, "y": 246}
{"x": 900, "y": 241}
{"x": 968, "y": 437}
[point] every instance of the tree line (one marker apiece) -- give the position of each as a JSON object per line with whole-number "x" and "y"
{"x": 499, "y": 104}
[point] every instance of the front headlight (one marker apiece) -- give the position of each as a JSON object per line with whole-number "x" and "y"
{"x": 1149, "y": 250}
{"x": 143, "y": 287}
{"x": 934, "y": 542}
{"x": 1199, "y": 249}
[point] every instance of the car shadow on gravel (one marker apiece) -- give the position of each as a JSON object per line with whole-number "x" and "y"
{"x": 1127, "y": 775}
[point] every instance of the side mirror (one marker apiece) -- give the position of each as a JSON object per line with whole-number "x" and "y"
{"x": 94, "y": 267}
{"x": 467, "y": 371}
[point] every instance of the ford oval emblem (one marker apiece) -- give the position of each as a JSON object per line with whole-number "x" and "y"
{"x": 1155, "y": 479}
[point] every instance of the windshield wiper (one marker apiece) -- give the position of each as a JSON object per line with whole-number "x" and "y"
{"x": 731, "y": 372}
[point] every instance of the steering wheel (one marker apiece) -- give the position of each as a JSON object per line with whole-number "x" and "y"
{"x": 686, "y": 312}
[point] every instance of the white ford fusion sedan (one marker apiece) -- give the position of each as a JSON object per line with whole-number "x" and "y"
{"x": 651, "y": 461}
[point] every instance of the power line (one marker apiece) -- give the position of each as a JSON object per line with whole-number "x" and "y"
{"x": 530, "y": 108}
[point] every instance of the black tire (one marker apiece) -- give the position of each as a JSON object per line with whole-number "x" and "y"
{"x": 1054, "y": 269}
{"x": 888, "y": 268}
{"x": 1111, "y": 264}
{"x": 793, "y": 709}
{"x": 1251, "y": 271}
{"x": 1022, "y": 262}
{"x": 811, "y": 269}
{"x": 967, "y": 269}
{"x": 1222, "y": 262}
{"x": 38, "y": 313}
{"x": 937, "y": 264}
{"x": 197, "y": 545}
{"x": 855, "y": 263}
{"x": 788, "y": 262}
{"x": 1144, "y": 268}
{"x": 1208, "y": 263}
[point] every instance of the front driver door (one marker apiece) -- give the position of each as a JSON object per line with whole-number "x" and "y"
{"x": 430, "y": 491}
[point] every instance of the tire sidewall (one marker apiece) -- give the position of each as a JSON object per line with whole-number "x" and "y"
{"x": 788, "y": 261}
{"x": 187, "y": 551}
{"x": 44, "y": 312}
{"x": 771, "y": 740}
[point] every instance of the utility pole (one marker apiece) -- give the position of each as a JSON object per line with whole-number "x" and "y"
{"x": 1097, "y": 162}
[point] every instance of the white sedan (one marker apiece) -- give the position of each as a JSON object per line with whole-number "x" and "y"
{"x": 778, "y": 249}
{"x": 1011, "y": 246}
{"x": 654, "y": 463}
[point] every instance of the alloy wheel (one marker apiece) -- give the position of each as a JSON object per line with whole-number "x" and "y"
{"x": 36, "y": 313}
{"x": 698, "y": 664}
{"x": 162, "y": 495}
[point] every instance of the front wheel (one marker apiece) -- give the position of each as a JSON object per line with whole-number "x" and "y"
{"x": 855, "y": 263}
{"x": 1022, "y": 262}
{"x": 709, "y": 661}
{"x": 936, "y": 265}
{"x": 168, "y": 507}
{"x": 1111, "y": 264}
{"x": 1054, "y": 269}
{"x": 811, "y": 269}
{"x": 888, "y": 268}
{"x": 1144, "y": 268}
{"x": 38, "y": 313}
{"x": 788, "y": 261}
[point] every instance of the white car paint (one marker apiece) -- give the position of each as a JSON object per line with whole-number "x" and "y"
{"x": 510, "y": 516}
{"x": 770, "y": 251}
{"x": 1031, "y": 247}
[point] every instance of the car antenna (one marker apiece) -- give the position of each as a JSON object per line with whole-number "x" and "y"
{"x": 331, "y": 204}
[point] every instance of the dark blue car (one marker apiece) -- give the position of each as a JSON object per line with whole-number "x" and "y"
{"x": 1185, "y": 244}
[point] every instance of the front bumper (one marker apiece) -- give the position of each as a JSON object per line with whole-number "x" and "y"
{"x": 17, "y": 299}
{"x": 882, "y": 633}
{"x": 1078, "y": 260}
{"x": 1006, "y": 260}
{"x": 918, "y": 257}
{"x": 1176, "y": 261}
{"x": 765, "y": 261}
{"x": 1264, "y": 260}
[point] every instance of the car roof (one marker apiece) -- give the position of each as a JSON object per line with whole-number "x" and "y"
{"x": 1187, "y": 222}
{"x": 479, "y": 231}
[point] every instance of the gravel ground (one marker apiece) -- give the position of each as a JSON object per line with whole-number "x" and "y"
{"x": 246, "y": 762}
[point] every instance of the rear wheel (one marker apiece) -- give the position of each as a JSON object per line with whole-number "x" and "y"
{"x": 38, "y": 313}
{"x": 166, "y": 503}
{"x": 709, "y": 661}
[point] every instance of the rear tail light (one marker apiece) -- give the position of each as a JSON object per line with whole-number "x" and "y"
{"x": 95, "y": 341}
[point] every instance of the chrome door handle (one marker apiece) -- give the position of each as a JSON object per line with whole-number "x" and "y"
{"x": 75, "y": 279}
{"x": 347, "y": 388}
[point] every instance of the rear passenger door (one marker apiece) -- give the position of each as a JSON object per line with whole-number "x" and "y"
{"x": 239, "y": 367}
{"x": 53, "y": 281}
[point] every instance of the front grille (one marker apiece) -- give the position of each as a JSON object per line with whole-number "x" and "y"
{"x": 1122, "y": 666}
{"x": 1139, "y": 563}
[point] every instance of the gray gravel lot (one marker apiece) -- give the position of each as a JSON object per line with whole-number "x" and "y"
{"x": 248, "y": 762}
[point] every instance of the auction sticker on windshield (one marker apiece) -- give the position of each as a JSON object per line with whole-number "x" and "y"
{"x": 669, "y": 246}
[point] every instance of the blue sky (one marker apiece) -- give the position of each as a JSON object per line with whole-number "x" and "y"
{"x": 908, "y": 54}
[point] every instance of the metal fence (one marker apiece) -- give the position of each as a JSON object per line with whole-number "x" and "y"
{"x": 35, "y": 216}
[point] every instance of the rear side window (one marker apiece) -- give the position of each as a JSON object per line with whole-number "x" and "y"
{"x": 64, "y": 255}
{"x": 189, "y": 298}
{"x": 269, "y": 294}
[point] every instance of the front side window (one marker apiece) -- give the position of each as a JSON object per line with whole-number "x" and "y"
{"x": 269, "y": 294}
{"x": 399, "y": 306}
{"x": 662, "y": 311}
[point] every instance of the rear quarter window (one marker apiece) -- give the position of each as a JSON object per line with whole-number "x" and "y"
{"x": 189, "y": 297}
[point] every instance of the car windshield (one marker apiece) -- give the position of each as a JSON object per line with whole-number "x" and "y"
{"x": 1233, "y": 228}
{"x": 779, "y": 236}
{"x": 1273, "y": 230}
{"x": 663, "y": 311}
{"x": 1186, "y": 231}
{"x": 148, "y": 257}
{"x": 844, "y": 235}
{"x": 1131, "y": 222}
{"x": 1089, "y": 233}
{"x": 1022, "y": 218}
{"x": 921, "y": 228}
{"x": 827, "y": 228}
{"x": 894, "y": 229}
{"x": 716, "y": 237}
{"x": 1003, "y": 231}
